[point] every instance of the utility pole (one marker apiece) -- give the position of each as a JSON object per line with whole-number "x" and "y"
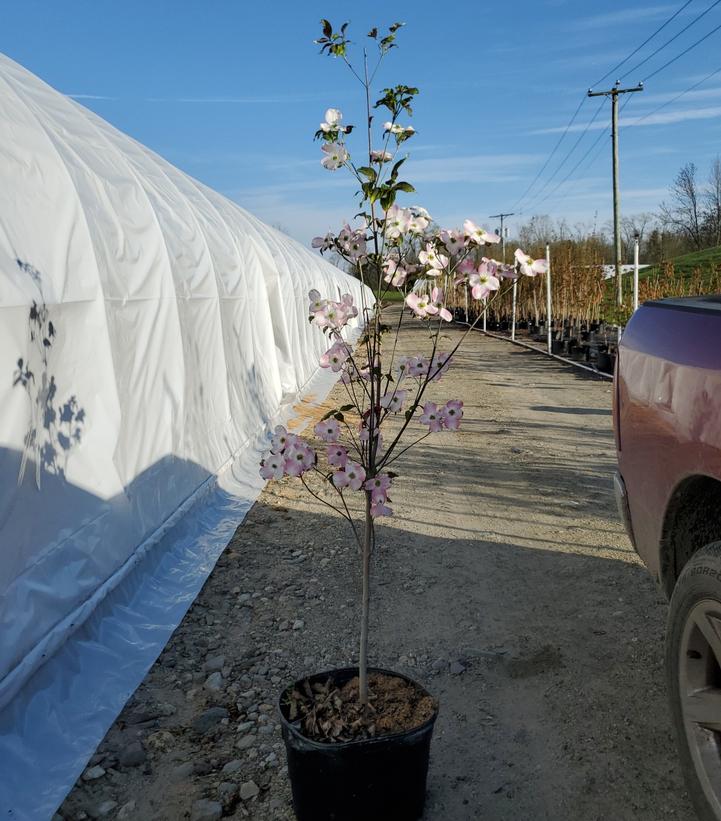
{"x": 503, "y": 236}
{"x": 503, "y": 259}
{"x": 613, "y": 94}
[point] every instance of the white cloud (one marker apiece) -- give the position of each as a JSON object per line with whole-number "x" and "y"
{"x": 90, "y": 97}
{"x": 613, "y": 18}
{"x": 471, "y": 169}
{"x": 661, "y": 118}
{"x": 273, "y": 99}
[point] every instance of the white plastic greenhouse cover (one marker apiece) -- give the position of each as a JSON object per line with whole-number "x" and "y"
{"x": 151, "y": 333}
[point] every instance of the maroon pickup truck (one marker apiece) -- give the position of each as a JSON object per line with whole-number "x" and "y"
{"x": 667, "y": 419}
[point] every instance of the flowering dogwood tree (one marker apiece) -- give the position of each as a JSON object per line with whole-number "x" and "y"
{"x": 385, "y": 391}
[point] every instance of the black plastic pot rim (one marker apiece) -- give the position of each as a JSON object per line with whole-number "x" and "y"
{"x": 365, "y": 742}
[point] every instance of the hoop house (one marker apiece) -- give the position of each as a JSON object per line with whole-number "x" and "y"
{"x": 151, "y": 331}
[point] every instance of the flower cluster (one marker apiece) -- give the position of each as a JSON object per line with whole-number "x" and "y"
{"x": 449, "y": 416}
{"x": 426, "y": 307}
{"x": 289, "y": 456}
{"x": 420, "y": 367}
{"x": 400, "y": 132}
{"x": 330, "y": 315}
{"x": 378, "y": 488}
{"x": 335, "y": 153}
{"x": 399, "y": 222}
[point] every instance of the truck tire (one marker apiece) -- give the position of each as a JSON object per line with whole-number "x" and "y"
{"x": 693, "y": 669}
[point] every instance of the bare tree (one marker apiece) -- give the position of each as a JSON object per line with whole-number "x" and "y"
{"x": 635, "y": 224}
{"x": 684, "y": 211}
{"x": 712, "y": 202}
{"x": 539, "y": 230}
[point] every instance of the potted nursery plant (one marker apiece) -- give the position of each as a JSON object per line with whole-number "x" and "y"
{"x": 358, "y": 739}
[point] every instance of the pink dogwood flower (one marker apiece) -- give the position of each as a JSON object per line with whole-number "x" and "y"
{"x": 454, "y": 241}
{"x": 431, "y": 416}
{"x": 430, "y": 257}
{"x": 482, "y": 282}
{"x": 356, "y": 248}
{"x": 347, "y": 306}
{"x": 437, "y": 302}
{"x": 396, "y": 222}
{"x": 379, "y": 485}
{"x": 529, "y": 266}
{"x": 394, "y": 401}
{"x": 421, "y": 305}
{"x": 418, "y": 366}
{"x": 272, "y": 467}
{"x": 479, "y": 235}
{"x": 317, "y": 303}
{"x": 452, "y": 413}
{"x": 335, "y": 357}
{"x": 396, "y": 272}
{"x": 324, "y": 243}
{"x": 337, "y": 456}
{"x": 381, "y": 156}
{"x": 281, "y": 439}
{"x": 350, "y": 475}
{"x": 299, "y": 457}
{"x": 465, "y": 268}
{"x": 441, "y": 363}
{"x": 328, "y": 430}
{"x": 331, "y": 315}
{"x": 335, "y": 156}
{"x": 332, "y": 122}
{"x": 379, "y": 508}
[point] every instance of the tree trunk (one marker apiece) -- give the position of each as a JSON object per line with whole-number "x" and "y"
{"x": 365, "y": 604}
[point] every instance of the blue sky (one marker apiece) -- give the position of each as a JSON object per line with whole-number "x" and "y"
{"x": 232, "y": 92}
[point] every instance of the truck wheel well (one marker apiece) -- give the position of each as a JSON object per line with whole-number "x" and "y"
{"x": 693, "y": 519}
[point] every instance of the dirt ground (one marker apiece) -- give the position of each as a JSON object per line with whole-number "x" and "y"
{"x": 505, "y": 584}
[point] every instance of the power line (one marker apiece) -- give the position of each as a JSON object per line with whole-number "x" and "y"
{"x": 668, "y": 42}
{"x": 598, "y": 139}
{"x": 583, "y": 99}
{"x": 647, "y": 40}
{"x": 569, "y": 153}
{"x": 553, "y": 152}
{"x": 673, "y": 99}
{"x": 580, "y": 162}
{"x": 685, "y": 51}
{"x": 539, "y": 198}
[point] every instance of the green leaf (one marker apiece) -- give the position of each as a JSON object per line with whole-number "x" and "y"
{"x": 327, "y": 28}
{"x": 367, "y": 172}
{"x": 405, "y": 186}
{"x": 396, "y": 166}
{"x": 373, "y": 33}
{"x": 328, "y": 415}
{"x": 339, "y": 416}
{"x": 347, "y": 407}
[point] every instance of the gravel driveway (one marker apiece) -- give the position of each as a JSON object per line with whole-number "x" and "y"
{"x": 506, "y": 585}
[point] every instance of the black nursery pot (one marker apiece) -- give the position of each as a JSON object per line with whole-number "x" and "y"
{"x": 377, "y": 779}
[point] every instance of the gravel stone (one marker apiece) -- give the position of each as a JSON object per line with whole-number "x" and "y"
{"x": 214, "y": 682}
{"x": 233, "y": 766}
{"x": 205, "y": 810}
{"x": 209, "y": 719}
{"x": 213, "y": 665}
{"x": 132, "y": 755}
{"x": 248, "y": 790}
{"x": 93, "y": 773}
